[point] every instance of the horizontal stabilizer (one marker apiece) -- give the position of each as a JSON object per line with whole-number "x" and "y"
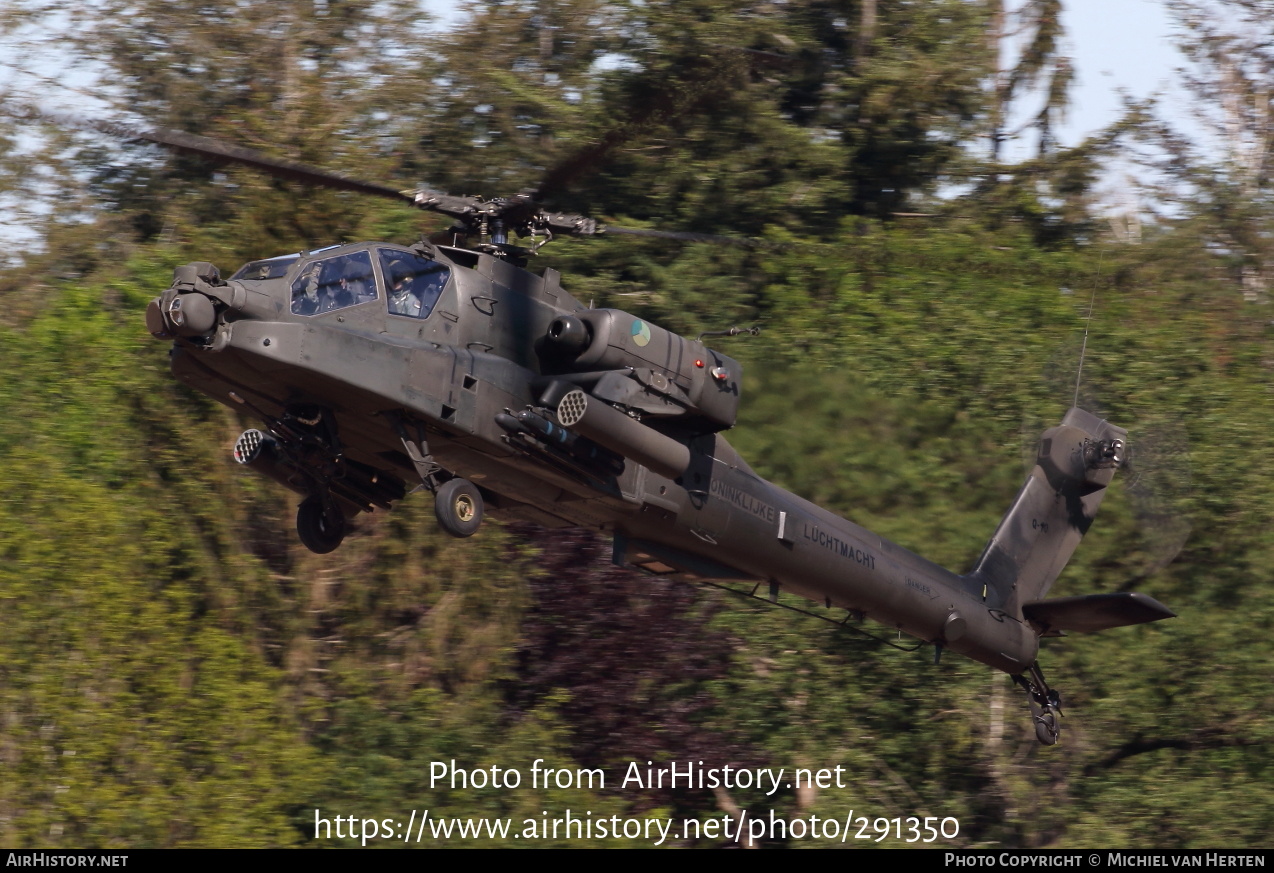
{"x": 1094, "y": 612}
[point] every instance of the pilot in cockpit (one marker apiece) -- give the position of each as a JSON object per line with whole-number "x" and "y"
{"x": 305, "y": 291}
{"x": 403, "y": 299}
{"x": 356, "y": 281}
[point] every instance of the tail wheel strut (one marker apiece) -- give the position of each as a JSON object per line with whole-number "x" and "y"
{"x": 1045, "y": 704}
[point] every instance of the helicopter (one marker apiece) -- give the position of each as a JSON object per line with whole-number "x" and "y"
{"x": 379, "y": 369}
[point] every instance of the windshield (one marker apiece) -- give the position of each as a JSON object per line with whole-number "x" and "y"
{"x": 414, "y": 282}
{"x": 270, "y": 268}
{"x": 334, "y": 283}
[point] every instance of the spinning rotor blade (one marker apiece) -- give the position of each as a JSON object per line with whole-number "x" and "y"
{"x": 1159, "y": 487}
{"x": 1155, "y": 475}
{"x": 189, "y": 143}
{"x": 583, "y": 161}
{"x": 678, "y": 93}
{"x": 685, "y": 236}
{"x": 520, "y": 214}
{"x": 199, "y": 145}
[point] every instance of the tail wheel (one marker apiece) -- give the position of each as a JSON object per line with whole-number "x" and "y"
{"x": 1047, "y": 730}
{"x": 458, "y": 506}
{"x": 321, "y": 527}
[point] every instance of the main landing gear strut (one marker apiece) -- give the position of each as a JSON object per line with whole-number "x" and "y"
{"x": 1045, "y": 703}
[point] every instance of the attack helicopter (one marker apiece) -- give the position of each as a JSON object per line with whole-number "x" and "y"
{"x": 378, "y": 369}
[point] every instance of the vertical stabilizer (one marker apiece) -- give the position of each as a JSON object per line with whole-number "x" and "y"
{"x": 1075, "y": 462}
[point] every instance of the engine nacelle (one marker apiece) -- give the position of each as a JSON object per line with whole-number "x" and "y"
{"x": 692, "y": 379}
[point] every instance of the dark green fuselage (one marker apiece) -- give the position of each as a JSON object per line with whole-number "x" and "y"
{"x": 480, "y": 353}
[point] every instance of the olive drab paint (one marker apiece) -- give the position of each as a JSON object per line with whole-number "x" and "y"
{"x": 377, "y": 368}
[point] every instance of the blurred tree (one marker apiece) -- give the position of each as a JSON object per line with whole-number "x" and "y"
{"x": 312, "y": 81}
{"x": 1033, "y": 32}
{"x": 1218, "y": 178}
{"x": 635, "y": 660}
{"x": 173, "y": 647}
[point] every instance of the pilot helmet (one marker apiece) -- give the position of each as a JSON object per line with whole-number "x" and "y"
{"x": 399, "y": 272}
{"x": 353, "y": 270}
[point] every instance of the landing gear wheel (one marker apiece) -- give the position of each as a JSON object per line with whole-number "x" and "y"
{"x": 321, "y": 528}
{"x": 1045, "y": 704}
{"x": 1047, "y": 729}
{"x": 458, "y": 506}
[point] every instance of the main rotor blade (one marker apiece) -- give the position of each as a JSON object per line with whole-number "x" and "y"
{"x": 560, "y": 176}
{"x": 515, "y": 210}
{"x": 678, "y": 93}
{"x": 685, "y": 236}
{"x": 208, "y": 147}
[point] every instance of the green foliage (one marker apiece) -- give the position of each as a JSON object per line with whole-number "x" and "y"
{"x": 178, "y": 671}
{"x": 176, "y": 664}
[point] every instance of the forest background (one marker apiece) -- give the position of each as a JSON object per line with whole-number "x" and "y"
{"x": 176, "y": 670}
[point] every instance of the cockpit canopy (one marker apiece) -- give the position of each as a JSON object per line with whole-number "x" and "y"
{"x": 327, "y": 280}
{"x": 334, "y": 283}
{"x": 269, "y": 268}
